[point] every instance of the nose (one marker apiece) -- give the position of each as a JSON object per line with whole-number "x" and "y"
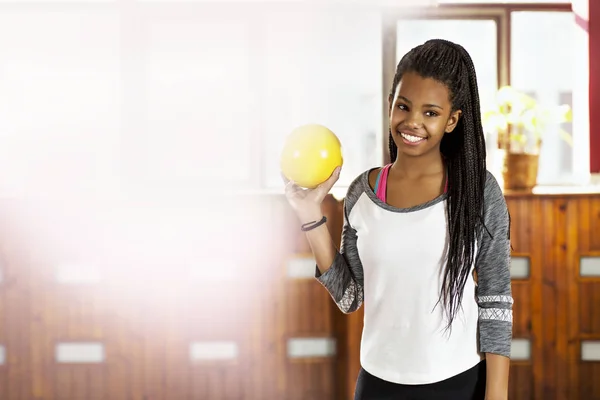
{"x": 414, "y": 120}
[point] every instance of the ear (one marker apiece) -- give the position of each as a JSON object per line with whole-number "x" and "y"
{"x": 453, "y": 121}
{"x": 390, "y": 102}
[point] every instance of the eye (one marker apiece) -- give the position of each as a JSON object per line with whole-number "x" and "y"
{"x": 431, "y": 113}
{"x": 402, "y": 107}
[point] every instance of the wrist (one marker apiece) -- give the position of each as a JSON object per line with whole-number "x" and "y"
{"x": 311, "y": 216}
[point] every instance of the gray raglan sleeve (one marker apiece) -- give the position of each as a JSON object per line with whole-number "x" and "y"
{"x": 344, "y": 279}
{"x": 494, "y": 294}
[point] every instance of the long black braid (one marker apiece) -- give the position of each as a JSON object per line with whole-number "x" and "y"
{"x": 464, "y": 153}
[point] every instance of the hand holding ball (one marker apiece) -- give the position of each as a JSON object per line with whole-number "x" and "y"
{"x": 310, "y": 155}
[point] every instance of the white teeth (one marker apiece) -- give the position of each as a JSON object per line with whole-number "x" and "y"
{"x": 411, "y": 138}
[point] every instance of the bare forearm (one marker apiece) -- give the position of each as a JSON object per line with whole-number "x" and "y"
{"x": 497, "y": 371}
{"x": 320, "y": 242}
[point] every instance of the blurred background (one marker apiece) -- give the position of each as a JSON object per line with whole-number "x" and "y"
{"x": 146, "y": 249}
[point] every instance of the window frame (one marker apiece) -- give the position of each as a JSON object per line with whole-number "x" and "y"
{"x": 499, "y": 13}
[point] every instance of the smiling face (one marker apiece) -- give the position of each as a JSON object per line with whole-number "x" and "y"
{"x": 420, "y": 115}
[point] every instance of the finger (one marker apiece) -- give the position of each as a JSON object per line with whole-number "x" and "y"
{"x": 328, "y": 184}
{"x": 291, "y": 187}
{"x": 334, "y": 177}
{"x": 287, "y": 182}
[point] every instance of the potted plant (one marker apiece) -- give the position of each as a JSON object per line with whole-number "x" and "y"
{"x": 520, "y": 123}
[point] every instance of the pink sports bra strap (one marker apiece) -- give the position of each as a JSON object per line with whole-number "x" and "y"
{"x": 381, "y": 189}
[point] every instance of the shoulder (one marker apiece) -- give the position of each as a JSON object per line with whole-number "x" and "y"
{"x": 492, "y": 191}
{"x": 495, "y": 209}
{"x": 359, "y": 185}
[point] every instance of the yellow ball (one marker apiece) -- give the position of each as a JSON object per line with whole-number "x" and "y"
{"x": 310, "y": 155}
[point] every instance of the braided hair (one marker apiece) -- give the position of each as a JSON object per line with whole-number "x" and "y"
{"x": 464, "y": 154}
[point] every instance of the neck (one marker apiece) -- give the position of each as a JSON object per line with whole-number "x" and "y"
{"x": 417, "y": 167}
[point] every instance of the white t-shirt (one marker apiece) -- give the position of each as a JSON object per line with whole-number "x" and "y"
{"x": 393, "y": 260}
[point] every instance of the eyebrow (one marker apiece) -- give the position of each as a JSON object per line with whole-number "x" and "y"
{"x": 400, "y": 97}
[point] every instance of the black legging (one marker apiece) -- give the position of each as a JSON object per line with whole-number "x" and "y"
{"x": 468, "y": 385}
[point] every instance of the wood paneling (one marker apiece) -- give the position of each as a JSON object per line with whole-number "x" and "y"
{"x": 584, "y": 302}
{"x": 147, "y": 325}
{"x": 147, "y": 314}
{"x": 593, "y": 8}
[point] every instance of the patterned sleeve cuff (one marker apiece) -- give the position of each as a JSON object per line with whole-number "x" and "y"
{"x": 495, "y": 308}
{"x": 495, "y": 324}
{"x": 345, "y": 291}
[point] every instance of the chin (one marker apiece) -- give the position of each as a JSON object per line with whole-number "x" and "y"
{"x": 411, "y": 152}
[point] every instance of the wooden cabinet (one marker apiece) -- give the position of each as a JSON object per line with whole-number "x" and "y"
{"x": 556, "y": 306}
{"x": 272, "y": 332}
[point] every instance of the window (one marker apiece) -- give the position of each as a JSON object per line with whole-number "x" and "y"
{"x": 60, "y": 91}
{"x": 509, "y": 43}
{"x": 545, "y": 70}
{"x": 323, "y": 67}
{"x": 194, "y": 104}
{"x": 174, "y": 95}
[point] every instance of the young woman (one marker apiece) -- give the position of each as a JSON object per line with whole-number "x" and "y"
{"x": 425, "y": 243}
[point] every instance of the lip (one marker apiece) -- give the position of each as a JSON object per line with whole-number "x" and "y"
{"x": 411, "y": 133}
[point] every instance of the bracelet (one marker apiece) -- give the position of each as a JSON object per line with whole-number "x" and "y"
{"x": 313, "y": 224}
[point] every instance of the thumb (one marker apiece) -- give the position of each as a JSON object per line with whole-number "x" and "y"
{"x": 328, "y": 184}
